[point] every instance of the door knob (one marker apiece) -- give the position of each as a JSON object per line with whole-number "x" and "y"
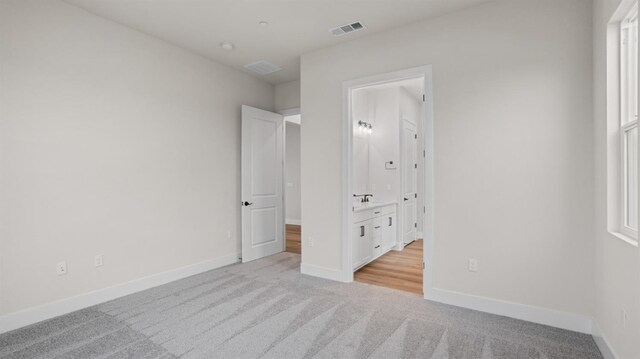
{"x": 245, "y": 203}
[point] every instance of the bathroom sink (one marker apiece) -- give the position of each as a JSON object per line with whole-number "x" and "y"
{"x": 372, "y": 204}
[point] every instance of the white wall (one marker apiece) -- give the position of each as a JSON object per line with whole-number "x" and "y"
{"x": 287, "y": 95}
{"x": 362, "y": 110}
{"x": 513, "y": 147}
{"x": 385, "y": 144}
{"x": 292, "y": 173}
{"x": 113, "y": 143}
{"x": 617, "y": 265}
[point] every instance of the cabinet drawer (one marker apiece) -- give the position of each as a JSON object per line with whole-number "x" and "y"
{"x": 376, "y": 212}
{"x": 388, "y": 209}
{"x": 376, "y": 230}
{"x": 361, "y": 216}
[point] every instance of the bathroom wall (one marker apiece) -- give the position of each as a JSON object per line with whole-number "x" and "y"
{"x": 361, "y": 112}
{"x": 373, "y": 153}
{"x": 385, "y": 144}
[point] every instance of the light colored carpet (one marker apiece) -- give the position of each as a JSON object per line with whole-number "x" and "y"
{"x": 267, "y": 309}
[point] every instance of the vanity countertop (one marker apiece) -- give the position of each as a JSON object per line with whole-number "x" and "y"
{"x": 371, "y": 205}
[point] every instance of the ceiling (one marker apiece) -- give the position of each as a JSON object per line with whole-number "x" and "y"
{"x": 294, "y": 27}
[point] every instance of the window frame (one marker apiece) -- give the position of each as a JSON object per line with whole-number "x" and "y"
{"x": 628, "y": 53}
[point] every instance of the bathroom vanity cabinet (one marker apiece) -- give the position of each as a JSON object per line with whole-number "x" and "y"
{"x": 374, "y": 232}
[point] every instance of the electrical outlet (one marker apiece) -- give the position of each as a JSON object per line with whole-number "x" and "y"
{"x": 473, "y": 265}
{"x": 97, "y": 260}
{"x": 310, "y": 241}
{"x": 61, "y": 268}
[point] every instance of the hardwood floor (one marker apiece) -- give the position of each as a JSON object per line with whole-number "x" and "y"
{"x": 293, "y": 239}
{"x": 397, "y": 270}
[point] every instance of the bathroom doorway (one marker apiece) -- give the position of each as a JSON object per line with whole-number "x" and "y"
{"x": 389, "y": 167}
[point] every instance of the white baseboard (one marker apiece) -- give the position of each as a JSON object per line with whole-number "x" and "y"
{"x": 419, "y": 235}
{"x": 36, "y": 314}
{"x": 322, "y": 272}
{"x": 554, "y": 318}
{"x": 292, "y": 221}
{"x": 603, "y": 344}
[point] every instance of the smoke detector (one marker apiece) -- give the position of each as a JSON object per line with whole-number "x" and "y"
{"x": 262, "y": 67}
{"x": 346, "y": 28}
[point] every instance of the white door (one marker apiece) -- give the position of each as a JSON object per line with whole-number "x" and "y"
{"x": 409, "y": 181}
{"x": 262, "y": 194}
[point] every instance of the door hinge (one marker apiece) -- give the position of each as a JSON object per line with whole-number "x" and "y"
{"x": 424, "y": 209}
{"x": 415, "y": 136}
{"x": 422, "y": 265}
{"x": 415, "y": 195}
{"x": 424, "y": 153}
{"x": 415, "y": 165}
{"x": 415, "y": 225}
{"x": 424, "y": 97}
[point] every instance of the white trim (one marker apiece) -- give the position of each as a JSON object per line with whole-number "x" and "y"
{"x": 36, "y": 314}
{"x": 601, "y": 341}
{"x": 290, "y": 111}
{"x": 292, "y": 121}
{"x": 554, "y": 318}
{"x": 321, "y": 272}
{"x": 347, "y": 175}
{"x": 419, "y": 235}
{"x": 625, "y": 238}
{"x": 293, "y": 221}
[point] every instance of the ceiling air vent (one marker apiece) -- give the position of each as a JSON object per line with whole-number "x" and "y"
{"x": 262, "y": 67}
{"x": 347, "y": 28}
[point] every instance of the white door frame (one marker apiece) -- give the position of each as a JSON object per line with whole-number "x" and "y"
{"x": 285, "y": 113}
{"x": 347, "y": 168}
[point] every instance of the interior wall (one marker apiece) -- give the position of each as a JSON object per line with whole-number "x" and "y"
{"x": 112, "y": 143}
{"x": 362, "y": 110}
{"x": 513, "y": 147}
{"x": 385, "y": 144}
{"x": 617, "y": 263}
{"x": 287, "y": 95}
{"x": 292, "y": 173}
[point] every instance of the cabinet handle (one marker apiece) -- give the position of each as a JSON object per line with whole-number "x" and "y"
{"x": 390, "y": 222}
{"x": 376, "y": 247}
{"x": 361, "y": 231}
{"x": 376, "y": 227}
{"x": 376, "y": 212}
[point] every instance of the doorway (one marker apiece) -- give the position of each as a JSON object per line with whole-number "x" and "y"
{"x": 292, "y": 193}
{"x": 388, "y": 178}
{"x": 271, "y": 215}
